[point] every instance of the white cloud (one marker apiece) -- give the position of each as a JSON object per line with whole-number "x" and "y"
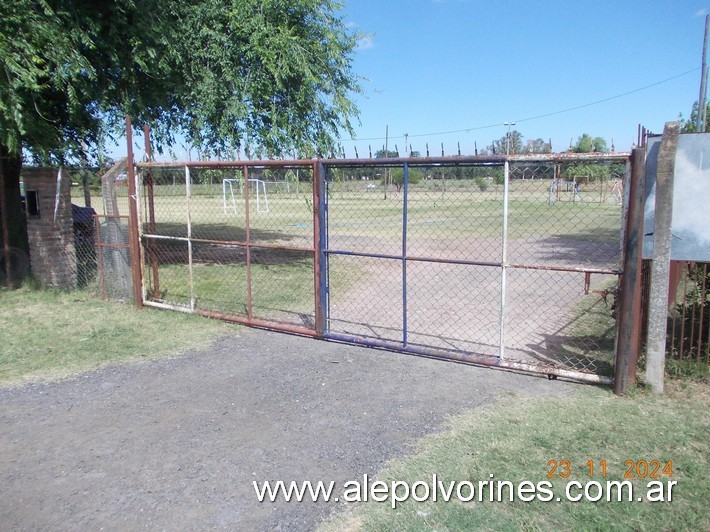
{"x": 701, "y": 12}
{"x": 365, "y": 42}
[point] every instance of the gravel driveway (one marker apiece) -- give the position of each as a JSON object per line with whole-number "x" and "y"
{"x": 176, "y": 444}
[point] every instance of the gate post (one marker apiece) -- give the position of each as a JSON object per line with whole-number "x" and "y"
{"x": 660, "y": 267}
{"x": 133, "y": 234}
{"x": 629, "y": 306}
{"x": 319, "y": 258}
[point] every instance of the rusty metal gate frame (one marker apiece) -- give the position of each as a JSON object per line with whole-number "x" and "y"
{"x": 321, "y": 252}
{"x": 149, "y": 238}
{"x": 502, "y": 265}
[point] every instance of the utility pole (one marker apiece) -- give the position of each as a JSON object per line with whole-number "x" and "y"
{"x": 507, "y": 149}
{"x": 700, "y": 119}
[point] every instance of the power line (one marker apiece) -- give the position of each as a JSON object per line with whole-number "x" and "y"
{"x": 498, "y": 124}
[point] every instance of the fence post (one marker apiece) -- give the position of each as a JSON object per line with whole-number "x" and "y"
{"x": 629, "y": 305}
{"x": 133, "y": 238}
{"x": 660, "y": 268}
{"x": 318, "y": 231}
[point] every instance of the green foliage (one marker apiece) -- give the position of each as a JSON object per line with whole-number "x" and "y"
{"x": 482, "y": 183}
{"x": 396, "y": 177}
{"x": 502, "y": 145}
{"x": 381, "y": 154}
{"x": 690, "y": 125}
{"x": 592, "y": 173}
{"x": 266, "y": 75}
{"x": 537, "y": 146}
{"x": 588, "y": 144}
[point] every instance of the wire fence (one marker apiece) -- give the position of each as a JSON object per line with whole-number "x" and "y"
{"x": 473, "y": 258}
{"x": 457, "y": 261}
{"x": 688, "y": 342}
{"x": 222, "y": 241}
{"x": 509, "y": 261}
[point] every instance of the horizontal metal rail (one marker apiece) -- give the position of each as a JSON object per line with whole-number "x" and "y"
{"x": 465, "y": 262}
{"x": 471, "y": 359}
{"x": 230, "y": 243}
{"x": 495, "y": 160}
{"x": 274, "y": 325}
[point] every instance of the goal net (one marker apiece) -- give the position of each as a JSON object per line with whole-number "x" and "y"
{"x": 230, "y": 195}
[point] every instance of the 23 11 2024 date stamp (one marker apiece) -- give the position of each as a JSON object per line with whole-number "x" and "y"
{"x": 642, "y": 469}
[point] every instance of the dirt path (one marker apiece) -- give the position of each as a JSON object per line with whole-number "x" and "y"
{"x": 176, "y": 444}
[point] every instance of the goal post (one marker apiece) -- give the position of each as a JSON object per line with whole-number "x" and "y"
{"x": 229, "y": 199}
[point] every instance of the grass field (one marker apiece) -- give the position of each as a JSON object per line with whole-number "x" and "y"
{"x": 516, "y": 440}
{"x": 461, "y": 212}
{"x": 459, "y": 222}
{"x": 48, "y": 335}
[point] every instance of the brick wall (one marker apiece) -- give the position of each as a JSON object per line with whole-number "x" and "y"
{"x": 51, "y": 239}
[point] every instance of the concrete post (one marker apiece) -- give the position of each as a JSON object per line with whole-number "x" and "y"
{"x": 660, "y": 268}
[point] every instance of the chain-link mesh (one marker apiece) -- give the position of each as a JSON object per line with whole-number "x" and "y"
{"x": 110, "y": 258}
{"x": 232, "y": 240}
{"x": 421, "y": 265}
{"x": 445, "y": 257}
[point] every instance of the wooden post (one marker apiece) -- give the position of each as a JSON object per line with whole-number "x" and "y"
{"x": 660, "y": 269}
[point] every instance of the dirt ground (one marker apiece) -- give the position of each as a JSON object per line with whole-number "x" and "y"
{"x": 176, "y": 444}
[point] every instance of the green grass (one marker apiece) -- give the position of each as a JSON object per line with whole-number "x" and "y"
{"x": 457, "y": 213}
{"x": 516, "y": 439}
{"x": 49, "y": 335}
{"x": 589, "y": 338}
{"x": 282, "y": 291}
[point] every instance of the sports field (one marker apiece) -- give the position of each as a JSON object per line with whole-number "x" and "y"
{"x": 451, "y": 305}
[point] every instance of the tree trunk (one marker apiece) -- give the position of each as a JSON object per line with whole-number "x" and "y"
{"x": 13, "y": 224}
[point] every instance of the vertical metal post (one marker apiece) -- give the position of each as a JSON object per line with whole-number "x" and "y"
{"x": 700, "y": 119}
{"x": 629, "y": 303}
{"x": 146, "y": 141}
{"x": 100, "y": 251}
{"x": 150, "y": 243}
{"x": 660, "y": 268}
{"x": 323, "y": 245}
{"x": 701, "y": 321}
{"x": 188, "y": 196}
{"x": 404, "y": 254}
{"x": 504, "y": 261}
{"x": 318, "y": 248}
{"x": 133, "y": 234}
{"x": 245, "y": 170}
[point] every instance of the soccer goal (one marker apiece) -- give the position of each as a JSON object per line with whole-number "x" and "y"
{"x": 229, "y": 197}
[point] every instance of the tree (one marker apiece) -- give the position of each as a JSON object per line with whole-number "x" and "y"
{"x": 268, "y": 76}
{"x": 397, "y": 177}
{"x": 500, "y": 146}
{"x": 587, "y": 144}
{"x": 383, "y": 154}
{"x": 537, "y": 146}
{"x": 691, "y": 124}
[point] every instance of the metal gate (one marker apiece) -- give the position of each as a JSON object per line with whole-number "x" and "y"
{"x": 512, "y": 264}
{"x": 505, "y": 261}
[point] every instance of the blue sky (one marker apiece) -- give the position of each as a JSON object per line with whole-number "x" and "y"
{"x": 433, "y": 66}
